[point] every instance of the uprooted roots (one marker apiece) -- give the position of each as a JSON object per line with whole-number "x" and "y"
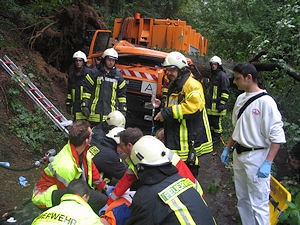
{"x": 55, "y": 36}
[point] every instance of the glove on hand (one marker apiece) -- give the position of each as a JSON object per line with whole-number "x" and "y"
{"x": 224, "y": 156}
{"x": 221, "y": 108}
{"x": 109, "y": 189}
{"x": 265, "y": 169}
{"x": 85, "y": 111}
{"x": 102, "y": 210}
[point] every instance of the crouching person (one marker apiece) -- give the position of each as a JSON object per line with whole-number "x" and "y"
{"x": 72, "y": 162}
{"x": 165, "y": 197}
{"x": 73, "y": 208}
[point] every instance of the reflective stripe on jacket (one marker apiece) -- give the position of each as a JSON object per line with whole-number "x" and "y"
{"x": 61, "y": 171}
{"x": 75, "y": 90}
{"x": 171, "y": 201}
{"x": 185, "y": 118}
{"x": 103, "y": 93}
{"x": 131, "y": 175}
{"x": 72, "y": 210}
{"x": 217, "y": 93}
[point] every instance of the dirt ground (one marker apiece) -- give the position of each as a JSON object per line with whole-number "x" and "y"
{"x": 219, "y": 193}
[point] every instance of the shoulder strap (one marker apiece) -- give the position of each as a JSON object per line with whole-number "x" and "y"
{"x": 249, "y": 101}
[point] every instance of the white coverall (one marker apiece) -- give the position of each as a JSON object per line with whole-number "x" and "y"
{"x": 259, "y": 126}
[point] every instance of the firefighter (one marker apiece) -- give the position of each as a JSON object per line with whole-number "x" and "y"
{"x": 186, "y": 126}
{"x": 108, "y": 160}
{"x": 72, "y": 162}
{"x": 128, "y": 138}
{"x": 73, "y": 208}
{"x": 113, "y": 119}
{"x": 216, "y": 96}
{"x": 75, "y": 79}
{"x": 104, "y": 91}
{"x": 164, "y": 196}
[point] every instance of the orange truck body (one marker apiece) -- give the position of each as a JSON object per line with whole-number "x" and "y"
{"x": 160, "y": 33}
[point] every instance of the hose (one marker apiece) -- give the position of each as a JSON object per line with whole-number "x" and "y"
{"x": 47, "y": 158}
{"x": 36, "y": 164}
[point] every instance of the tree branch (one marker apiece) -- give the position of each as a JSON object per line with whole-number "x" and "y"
{"x": 273, "y": 66}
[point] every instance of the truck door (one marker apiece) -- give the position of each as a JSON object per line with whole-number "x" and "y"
{"x": 100, "y": 42}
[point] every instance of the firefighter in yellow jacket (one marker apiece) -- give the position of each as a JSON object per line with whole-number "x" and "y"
{"x": 73, "y": 208}
{"x": 72, "y": 162}
{"x": 186, "y": 125}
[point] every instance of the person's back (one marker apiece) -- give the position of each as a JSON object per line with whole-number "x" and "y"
{"x": 108, "y": 160}
{"x": 165, "y": 197}
{"x": 127, "y": 139}
{"x": 73, "y": 208}
{"x": 157, "y": 197}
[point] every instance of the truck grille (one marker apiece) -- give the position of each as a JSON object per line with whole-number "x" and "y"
{"x": 134, "y": 85}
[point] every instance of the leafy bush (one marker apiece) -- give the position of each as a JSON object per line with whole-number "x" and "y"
{"x": 31, "y": 126}
{"x": 291, "y": 215}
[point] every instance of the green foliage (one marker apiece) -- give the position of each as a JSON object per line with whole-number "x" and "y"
{"x": 292, "y": 214}
{"x": 31, "y": 127}
{"x": 292, "y": 132}
{"x": 213, "y": 186}
{"x": 123, "y": 8}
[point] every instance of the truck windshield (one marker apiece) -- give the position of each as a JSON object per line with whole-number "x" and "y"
{"x": 100, "y": 41}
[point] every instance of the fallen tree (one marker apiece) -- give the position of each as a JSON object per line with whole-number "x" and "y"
{"x": 59, "y": 35}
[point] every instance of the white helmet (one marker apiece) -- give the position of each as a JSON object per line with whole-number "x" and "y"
{"x": 116, "y": 118}
{"x": 148, "y": 150}
{"x": 216, "y": 59}
{"x": 111, "y": 53}
{"x": 113, "y": 133}
{"x": 175, "y": 59}
{"x": 80, "y": 55}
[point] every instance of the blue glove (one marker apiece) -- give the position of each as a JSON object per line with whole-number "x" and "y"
{"x": 224, "y": 156}
{"x": 109, "y": 189}
{"x": 23, "y": 181}
{"x": 265, "y": 169}
{"x": 102, "y": 210}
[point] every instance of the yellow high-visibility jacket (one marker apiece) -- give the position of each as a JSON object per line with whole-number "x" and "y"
{"x": 62, "y": 170}
{"x": 185, "y": 117}
{"x": 72, "y": 210}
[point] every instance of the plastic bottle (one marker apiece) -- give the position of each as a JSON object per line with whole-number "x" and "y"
{"x": 6, "y": 164}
